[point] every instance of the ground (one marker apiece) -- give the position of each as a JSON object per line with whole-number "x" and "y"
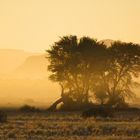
{"x": 69, "y": 126}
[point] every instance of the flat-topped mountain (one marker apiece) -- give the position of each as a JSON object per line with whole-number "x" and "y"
{"x": 10, "y": 59}
{"x": 33, "y": 67}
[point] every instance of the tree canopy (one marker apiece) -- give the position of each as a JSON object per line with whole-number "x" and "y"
{"x": 87, "y": 69}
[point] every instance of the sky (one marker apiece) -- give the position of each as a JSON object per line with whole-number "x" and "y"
{"x": 34, "y": 25}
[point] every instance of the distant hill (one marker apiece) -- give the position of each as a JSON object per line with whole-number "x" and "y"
{"x": 10, "y": 59}
{"x": 33, "y": 67}
{"x": 24, "y": 76}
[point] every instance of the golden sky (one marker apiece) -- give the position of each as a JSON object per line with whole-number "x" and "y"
{"x": 34, "y": 25}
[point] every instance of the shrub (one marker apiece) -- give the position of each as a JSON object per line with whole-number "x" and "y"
{"x": 28, "y": 109}
{"x": 98, "y": 112}
{"x": 3, "y": 117}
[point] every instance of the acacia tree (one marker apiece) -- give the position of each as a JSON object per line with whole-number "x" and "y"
{"x": 76, "y": 65}
{"x": 85, "y": 67}
{"x": 123, "y": 65}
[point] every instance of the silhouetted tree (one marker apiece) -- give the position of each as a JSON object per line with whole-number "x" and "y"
{"x": 123, "y": 65}
{"x": 76, "y": 65}
{"x": 85, "y": 68}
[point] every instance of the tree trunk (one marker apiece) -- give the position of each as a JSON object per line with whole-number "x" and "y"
{"x": 54, "y": 105}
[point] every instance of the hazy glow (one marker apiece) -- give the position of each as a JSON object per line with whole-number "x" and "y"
{"x": 36, "y": 24}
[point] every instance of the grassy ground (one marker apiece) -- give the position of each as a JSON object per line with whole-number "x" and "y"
{"x": 69, "y": 126}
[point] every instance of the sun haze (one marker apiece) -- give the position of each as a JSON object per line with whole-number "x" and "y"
{"x": 29, "y": 27}
{"x": 34, "y": 25}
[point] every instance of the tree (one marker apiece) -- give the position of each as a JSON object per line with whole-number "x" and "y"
{"x": 123, "y": 65}
{"x": 85, "y": 68}
{"x": 76, "y": 65}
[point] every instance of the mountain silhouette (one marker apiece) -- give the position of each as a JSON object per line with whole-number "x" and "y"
{"x": 33, "y": 67}
{"x": 10, "y": 59}
{"x": 24, "y": 75}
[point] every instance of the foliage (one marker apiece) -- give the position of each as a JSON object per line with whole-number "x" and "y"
{"x": 3, "y": 117}
{"x": 123, "y": 66}
{"x": 74, "y": 65}
{"x": 98, "y": 111}
{"x": 86, "y": 68}
{"x": 28, "y": 108}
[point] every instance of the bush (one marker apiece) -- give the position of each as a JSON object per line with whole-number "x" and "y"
{"x": 3, "y": 117}
{"x": 74, "y": 106}
{"x": 28, "y": 109}
{"x": 98, "y": 112}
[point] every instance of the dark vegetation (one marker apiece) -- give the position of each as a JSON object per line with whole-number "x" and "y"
{"x": 70, "y": 126}
{"x": 89, "y": 73}
{"x": 98, "y": 111}
{"x": 3, "y": 117}
{"x": 106, "y": 111}
{"x": 29, "y": 109}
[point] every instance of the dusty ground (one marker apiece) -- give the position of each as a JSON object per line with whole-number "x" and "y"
{"x": 69, "y": 126}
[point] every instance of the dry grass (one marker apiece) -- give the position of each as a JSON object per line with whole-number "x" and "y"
{"x": 69, "y": 126}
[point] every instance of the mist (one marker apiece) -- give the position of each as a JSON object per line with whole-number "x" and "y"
{"x": 24, "y": 79}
